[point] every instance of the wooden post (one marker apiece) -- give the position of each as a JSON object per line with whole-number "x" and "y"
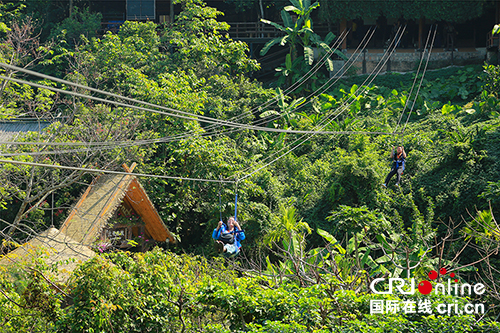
{"x": 171, "y": 11}
{"x": 420, "y": 32}
{"x": 343, "y": 26}
{"x": 127, "y": 169}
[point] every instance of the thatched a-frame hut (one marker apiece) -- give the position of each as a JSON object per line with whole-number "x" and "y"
{"x": 105, "y": 204}
{"x": 114, "y": 210}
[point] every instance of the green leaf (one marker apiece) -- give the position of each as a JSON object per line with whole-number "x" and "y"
{"x": 269, "y": 113}
{"x": 3, "y": 27}
{"x": 292, "y": 9}
{"x": 287, "y": 19}
{"x": 284, "y": 40}
{"x": 330, "y": 64}
{"x": 496, "y": 29}
{"x": 365, "y": 258}
{"x": 354, "y": 88}
{"x": 308, "y": 55}
{"x": 132, "y": 243}
{"x": 286, "y": 245}
{"x": 269, "y": 44}
{"x": 329, "y": 38}
{"x": 447, "y": 109}
{"x": 298, "y": 4}
{"x": 288, "y": 61}
{"x": 327, "y": 236}
{"x": 276, "y": 25}
{"x": 383, "y": 241}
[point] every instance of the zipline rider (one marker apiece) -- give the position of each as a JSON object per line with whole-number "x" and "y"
{"x": 398, "y": 165}
{"x": 228, "y": 237}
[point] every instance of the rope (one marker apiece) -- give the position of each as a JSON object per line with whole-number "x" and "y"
{"x": 145, "y": 109}
{"x": 306, "y": 77}
{"x": 208, "y": 119}
{"x": 328, "y": 84}
{"x": 236, "y": 201}
{"x": 220, "y": 201}
{"x": 349, "y": 61}
{"x": 156, "y": 140}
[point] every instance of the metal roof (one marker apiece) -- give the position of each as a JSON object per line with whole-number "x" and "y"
{"x": 9, "y": 129}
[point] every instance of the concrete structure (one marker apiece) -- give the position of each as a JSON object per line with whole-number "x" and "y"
{"x": 406, "y": 60}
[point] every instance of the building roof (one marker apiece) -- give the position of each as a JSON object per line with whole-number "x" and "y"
{"x": 55, "y": 247}
{"x": 10, "y": 129}
{"x": 97, "y": 205}
{"x": 70, "y": 245}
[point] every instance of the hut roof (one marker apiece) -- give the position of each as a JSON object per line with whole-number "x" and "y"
{"x": 56, "y": 247}
{"x": 102, "y": 198}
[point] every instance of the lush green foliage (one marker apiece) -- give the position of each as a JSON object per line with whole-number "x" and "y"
{"x": 164, "y": 292}
{"x": 329, "y": 226}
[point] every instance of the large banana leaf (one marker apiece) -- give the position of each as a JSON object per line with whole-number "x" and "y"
{"x": 309, "y": 54}
{"x": 269, "y": 44}
{"x": 287, "y": 19}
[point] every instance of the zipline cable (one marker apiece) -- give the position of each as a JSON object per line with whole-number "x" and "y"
{"x": 414, "y": 81}
{"x": 88, "y": 96}
{"x": 41, "y": 86}
{"x": 198, "y": 118}
{"x": 421, "y": 81}
{"x": 220, "y": 200}
{"x": 132, "y": 100}
{"x": 42, "y": 165}
{"x": 323, "y": 126}
{"x": 216, "y": 122}
{"x": 100, "y": 91}
{"x": 308, "y": 75}
{"x": 236, "y": 200}
{"x": 349, "y": 61}
{"x": 345, "y": 106}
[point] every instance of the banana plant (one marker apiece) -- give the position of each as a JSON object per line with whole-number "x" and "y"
{"x": 286, "y": 111}
{"x": 300, "y": 33}
{"x": 350, "y": 265}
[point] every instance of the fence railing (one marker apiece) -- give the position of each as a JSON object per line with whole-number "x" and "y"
{"x": 492, "y": 41}
{"x": 241, "y": 30}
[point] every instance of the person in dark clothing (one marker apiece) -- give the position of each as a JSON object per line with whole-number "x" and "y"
{"x": 228, "y": 237}
{"x": 398, "y": 165}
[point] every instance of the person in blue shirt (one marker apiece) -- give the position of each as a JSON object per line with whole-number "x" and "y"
{"x": 398, "y": 165}
{"x": 228, "y": 237}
